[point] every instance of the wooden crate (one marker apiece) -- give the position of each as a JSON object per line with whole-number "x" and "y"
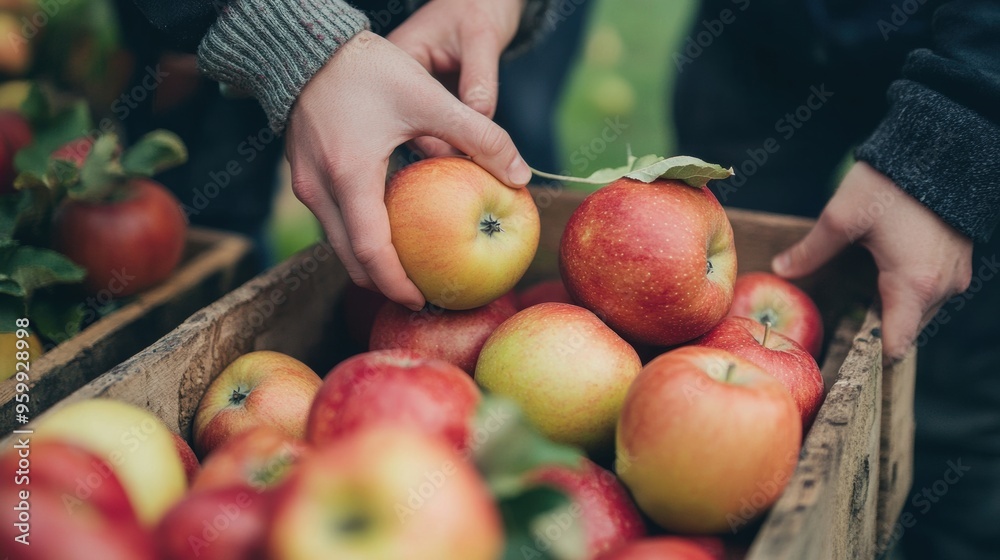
{"x": 854, "y": 470}
{"x": 214, "y": 262}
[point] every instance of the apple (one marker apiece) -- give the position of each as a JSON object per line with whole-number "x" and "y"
{"x": 655, "y": 261}
{"x": 257, "y": 389}
{"x": 259, "y": 457}
{"x": 360, "y": 306}
{"x": 8, "y": 360}
{"x": 768, "y": 298}
{"x": 453, "y": 336}
{"x": 567, "y": 370}
{"x": 609, "y": 518}
{"x": 227, "y": 523}
{"x": 136, "y": 444}
{"x": 395, "y": 387}
{"x": 774, "y": 353}
{"x": 668, "y": 548}
{"x": 463, "y": 237}
{"x": 706, "y": 440}
{"x": 73, "y": 506}
{"x": 188, "y": 459}
{"x": 385, "y": 492}
{"x": 548, "y": 291}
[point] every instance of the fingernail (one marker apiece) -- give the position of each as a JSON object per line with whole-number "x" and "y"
{"x": 518, "y": 172}
{"x": 781, "y": 263}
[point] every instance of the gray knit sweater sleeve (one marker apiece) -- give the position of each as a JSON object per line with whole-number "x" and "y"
{"x": 271, "y": 48}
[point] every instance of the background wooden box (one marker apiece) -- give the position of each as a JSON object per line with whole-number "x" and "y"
{"x": 214, "y": 263}
{"x": 854, "y": 469}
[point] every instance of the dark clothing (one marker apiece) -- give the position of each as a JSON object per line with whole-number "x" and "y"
{"x": 739, "y": 102}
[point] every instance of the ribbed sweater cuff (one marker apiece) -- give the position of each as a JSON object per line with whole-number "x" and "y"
{"x": 272, "y": 48}
{"x": 941, "y": 153}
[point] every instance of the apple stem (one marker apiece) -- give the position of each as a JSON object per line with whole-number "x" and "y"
{"x": 729, "y": 372}
{"x": 767, "y": 331}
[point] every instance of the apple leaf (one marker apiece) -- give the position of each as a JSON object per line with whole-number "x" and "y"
{"x": 536, "y": 525}
{"x": 649, "y": 168}
{"x": 68, "y": 125}
{"x": 101, "y": 172}
{"x": 11, "y": 309}
{"x": 155, "y": 152}
{"x": 33, "y": 268}
{"x": 56, "y": 315}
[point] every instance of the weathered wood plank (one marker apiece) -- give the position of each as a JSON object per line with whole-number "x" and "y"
{"x": 896, "y": 459}
{"x": 214, "y": 263}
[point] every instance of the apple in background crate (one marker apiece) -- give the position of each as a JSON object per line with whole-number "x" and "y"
{"x": 767, "y": 298}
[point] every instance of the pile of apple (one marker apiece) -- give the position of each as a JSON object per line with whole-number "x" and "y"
{"x": 401, "y": 451}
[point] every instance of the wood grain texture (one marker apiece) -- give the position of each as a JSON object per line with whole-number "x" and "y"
{"x": 213, "y": 264}
{"x": 896, "y": 458}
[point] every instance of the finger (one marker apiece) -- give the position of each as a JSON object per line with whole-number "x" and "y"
{"x": 367, "y": 223}
{"x": 822, "y": 243}
{"x": 478, "y": 81}
{"x": 428, "y": 146}
{"x": 481, "y": 139}
{"x": 904, "y": 310}
{"x": 317, "y": 198}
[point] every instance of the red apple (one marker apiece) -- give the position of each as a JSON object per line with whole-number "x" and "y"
{"x": 126, "y": 245}
{"x": 774, "y": 353}
{"x": 15, "y": 133}
{"x": 462, "y": 236}
{"x": 219, "y": 524}
{"x": 396, "y": 387}
{"x": 259, "y": 458}
{"x": 66, "y": 502}
{"x": 566, "y": 369}
{"x": 188, "y": 459}
{"x": 360, "y": 307}
{"x": 385, "y": 492}
{"x": 609, "y": 518}
{"x": 655, "y": 261}
{"x": 706, "y": 440}
{"x": 258, "y": 389}
{"x": 453, "y": 336}
{"x": 768, "y": 298}
{"x": 667, "y": 548}
{"x": 548, "y": 291}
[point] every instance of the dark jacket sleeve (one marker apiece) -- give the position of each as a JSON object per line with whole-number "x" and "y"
{"x": 940, "y": 141}
{"x": 183, "y": 22}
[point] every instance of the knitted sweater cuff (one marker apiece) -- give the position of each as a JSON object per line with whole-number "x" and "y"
{"x": 941, "y": 153}
{"x": 271, "y": 48}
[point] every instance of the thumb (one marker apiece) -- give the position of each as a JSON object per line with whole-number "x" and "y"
{"x": 821, "y": 244}
{"x": 903, "y": 311}
{"x": 486, "y": 143}
{"x": 478, "y": 81}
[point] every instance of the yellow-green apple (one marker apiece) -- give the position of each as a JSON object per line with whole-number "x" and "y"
{"x": 669, "y": 548}
{"x": 462, "y": 236}
{"x": 360, "y": 306}
{"x": 135, "y": 443}
{"x": 706, "y": 440}
{"x": 547, "y": 291}
{"x": 385, "y": 492}
{"x": 65, "y": 502}
{"x": 774, "y": 353}
{"x": 600, "y": 503}
{"x": 227, "y": 523}
{"x": 257, "y": 389}
{"x": 768, "y": 298}
{"x": 395, "y": 387}
{"x": 188, "y": 459}
{"x": 655, "y": 261}
{"x": 567, "y": 370}
{"x": 453, "y": 336}
{"x": 260, "y": 457}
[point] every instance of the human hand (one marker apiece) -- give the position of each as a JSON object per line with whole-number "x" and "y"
{"x": 368, "y": 99}
{"x": 922, "y": 261}
{"x": 460, "y": 43}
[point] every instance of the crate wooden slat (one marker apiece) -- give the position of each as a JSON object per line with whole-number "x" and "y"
{"x": 214, "y": 263}
{"x": 841, "y": 497}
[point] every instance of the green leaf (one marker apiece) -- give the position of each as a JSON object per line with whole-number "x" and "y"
{"x": 33, "y": 268}
{"x": 11, "y": 309}
{"x": 155, "y": 152}
{"x": 56, "y": 314}
{"x": 70, "y": 124}
{"x": 10, "y": 287}
{"x": 541, "y": 522}
{"x": 509, "y": 446}
{"x": 101, "y": 172}
{"x": 11, "y": 209}
{"x": 649, "y": 168}
{"x": 35, "y": 106}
